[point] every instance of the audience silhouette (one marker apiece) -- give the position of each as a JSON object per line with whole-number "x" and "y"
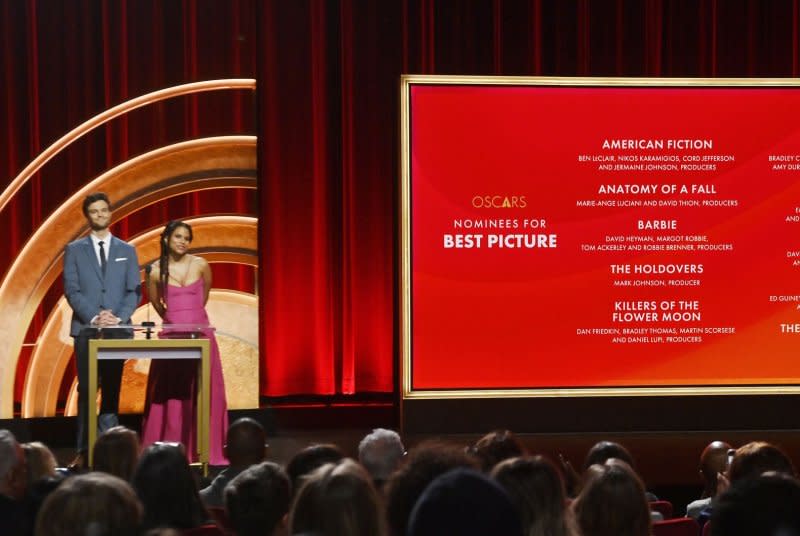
{"x": 439, "y": 488}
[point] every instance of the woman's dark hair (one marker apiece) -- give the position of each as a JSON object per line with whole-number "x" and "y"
{"x": 163, "y": 259}
{"x": 116, "y": 452}
{"x": 423, "y": 464}
{"x": 612, "y": 502}
{"x": 758, "y": 457}
{"x": 337, "y": 499}
{"x": 94, "y": 503}
{"x": 495, "y": 447}
{"x": 165, "y": 485}
{"x": 537, "y": 491}
{"x": 762, "y": 504}
{"x": 40, "y": 460}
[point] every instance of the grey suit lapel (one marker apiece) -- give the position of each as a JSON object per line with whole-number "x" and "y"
{"x": 113, "y": 250}
{"x": 92, "y": 257}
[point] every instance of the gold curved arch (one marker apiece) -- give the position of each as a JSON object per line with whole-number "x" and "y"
{"x": 219, "y": 162}
{"x": 217, "y": 239}
{"x": 118, "y": 110}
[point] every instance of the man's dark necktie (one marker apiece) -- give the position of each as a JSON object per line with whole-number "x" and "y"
{"x": 102, "y": 257}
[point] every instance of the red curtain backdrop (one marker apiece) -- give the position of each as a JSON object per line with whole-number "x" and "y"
{"x": 328, "y": 74}
{"x": 64, "y": 61}
{"x": 326, "y": 112}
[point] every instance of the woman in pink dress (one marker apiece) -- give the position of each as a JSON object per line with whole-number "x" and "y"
{"x": 178, "y": 289}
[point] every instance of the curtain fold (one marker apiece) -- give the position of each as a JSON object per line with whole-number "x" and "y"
{"x": 328, "y": 112}
{"x": 327, "y": 115}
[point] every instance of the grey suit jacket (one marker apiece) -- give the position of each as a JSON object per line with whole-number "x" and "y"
{"x": 87, "y": 291}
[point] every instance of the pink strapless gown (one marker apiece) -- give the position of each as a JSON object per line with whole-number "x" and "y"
{"x": 170, "y": 412}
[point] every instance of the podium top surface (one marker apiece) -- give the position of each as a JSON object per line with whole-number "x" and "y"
{"x": 145, "y": 331}
{"x": 173, "y": 348}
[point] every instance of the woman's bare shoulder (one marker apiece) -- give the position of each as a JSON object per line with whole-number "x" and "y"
{"x": 200, "y": 262}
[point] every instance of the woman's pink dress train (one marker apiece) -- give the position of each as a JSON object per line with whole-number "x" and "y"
{"x": 171, "y": 403}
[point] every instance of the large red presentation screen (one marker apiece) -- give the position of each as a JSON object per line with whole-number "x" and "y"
{"x": 601, "y": 234}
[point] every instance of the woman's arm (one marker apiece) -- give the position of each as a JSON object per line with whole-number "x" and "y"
{"x": 205, "y": 272}
{"x": 154, "y": 290}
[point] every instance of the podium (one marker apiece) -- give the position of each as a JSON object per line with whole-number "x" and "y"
{"x": 172, "y": 347}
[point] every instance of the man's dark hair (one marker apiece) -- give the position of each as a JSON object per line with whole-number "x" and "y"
{"x": 605, "y": 450}
{"x": 763, "y": 505}
{"x": 91, "y": 198}
{"x": 245, "y": 442}
{"x": 257, "y": 499}
{"x": 310, "y": 458}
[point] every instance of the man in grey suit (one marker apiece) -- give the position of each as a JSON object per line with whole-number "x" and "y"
{"x": 101, "y": 284}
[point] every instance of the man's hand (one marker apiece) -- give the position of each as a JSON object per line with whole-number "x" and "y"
{"x": 571, "y": 476}
{"x": 723, "y": 482}
{"x": 106, "y": 318}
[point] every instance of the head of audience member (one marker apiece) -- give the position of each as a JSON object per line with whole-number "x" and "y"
{"x": 605, "y": 450}
{"x": 612, "y": 502}
{"x": 495, "y": 447}
{"x": 40, "y": 460}
{"x": 245, "y": 443}
{"x": 38, "y": 492}
{"x": 767, "y": 504}
{"x": 165, "y": 485}
{"x": 756, "y": 458}
{"x": 13, "y": 467}
{"x": 257, "y": 500}
{"x": 380, "y": 453}
{"x": 337, "y": 499}
{"x": 464, "y": 502}
{"x": 422, "y": 465}
{"x": 713, "y": 460}
{"x": 310, "y": 458}
{"x": 94, "y": 503}
{"x": 163, "y": 531}
{"x": 116, "y": 452}
{"x": 536, "y": 490}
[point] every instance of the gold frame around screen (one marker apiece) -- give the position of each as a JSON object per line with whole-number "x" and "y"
{"x": 406, "y": 81}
